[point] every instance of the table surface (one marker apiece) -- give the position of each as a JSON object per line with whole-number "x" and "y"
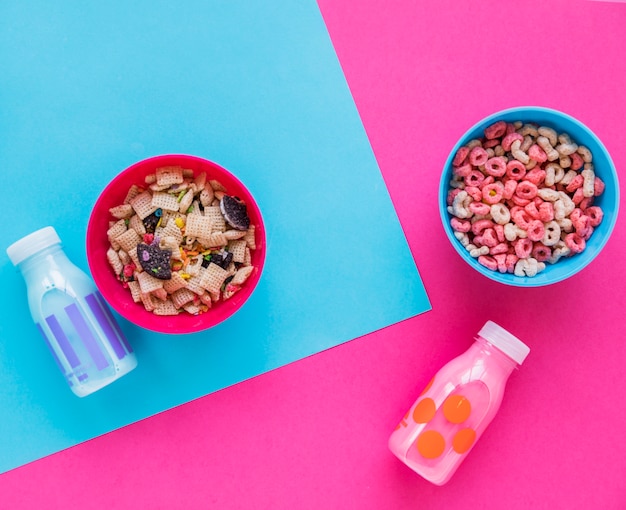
{"x": 313, "y": 434}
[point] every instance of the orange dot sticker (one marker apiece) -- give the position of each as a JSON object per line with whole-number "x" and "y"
{"x": 456, "y": 409}
{"x": 428, "y": 386}
{"x": 463, "y": 440}
{"x": 430, "y": 444}
{"x": 424, "y": 410}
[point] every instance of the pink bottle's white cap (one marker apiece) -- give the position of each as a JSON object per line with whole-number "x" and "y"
{"x": 25, "y": 247}
{"x": 510, "y": 345}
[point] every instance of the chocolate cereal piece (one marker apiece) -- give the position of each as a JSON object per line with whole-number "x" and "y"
{"x": 155, "y": 261}
{"x": 235, "y": 212}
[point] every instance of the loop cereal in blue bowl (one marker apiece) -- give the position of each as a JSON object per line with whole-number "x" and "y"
{"x": 529, "y": 196}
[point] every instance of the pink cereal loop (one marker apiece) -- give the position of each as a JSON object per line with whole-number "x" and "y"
{"x": 489, "y": 238}
{"x": 500, "y": 258}
{"x": 499, "y": 230}
{"x": 451, "y": 194}
{"x": 478, "y": 156}
{"x": 488, "y": 180}
{"x": 532, "y": 210}
{"x": 579, "y": 196}
{"x": 474, "y": 178}
{"x": 526, "y": 189}
{"x": 500, "y": 248}
{"x": 509, "y": 189}
{"x": 523, "y": 248}
{"x": 492, "y": 193}
{"x": 575, "y": 243}
{"x": 521, "y": 218}
{"x": 535, "y": 230}
{"x": 511, "y": 260}
{"x": 515, "y": 170}
{"x": 488, "y": 261}
{"x": 577, "y": 161}
{"x": 509, "y": 139}
{"x": 595, "y": 215}
{"x": 460, "y": 156}
{"x": 517, "y": 200}
{"x": 479, "y": 226}
{"x": 598, "y": 187}
{"x": 479, "y": 208}
{"x": 575, "y": 183}
{"x": 474, "y": 192}
{"x": 541, "y": 252}
{"x": 537, "y": 176}
{"x": 546, "y": 212}
{"x": 586, "y": 203}
{"x": 495, "y": 130}
{"x": 537, "y": 153}
{"x": 460, "y": 225}
{"x": 490, "y": 144}
{"x": 495, "y": 166}
{"x": 462, "y": 170}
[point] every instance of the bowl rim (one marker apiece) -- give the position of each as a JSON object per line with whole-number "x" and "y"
{"x": 507, "y": 278}
{"x": 134, "y": 312}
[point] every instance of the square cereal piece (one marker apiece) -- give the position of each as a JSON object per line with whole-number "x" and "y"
{"x": 194, "y": 284}
{"x": 214, "y": 212}
{"x": 216, "y": 185}
{"x": 132, "y": 193}
{"x": 114, "y": 261}
{"x": 192, "y": 309}
{"x": 247, "y": 260}
{"x": 175, "y": 283}
{"x": 122, "y": 211}
{"x": 135, "y": 291}
{"x": 124, "y": 257}
{"x": 165, "y": 201}
{"x": 232, "y": 234}
{"x": 250, "y": 238}
{"x": 128, "y": 240}
{"x": 171, "y": 229}
{"x": 147, "y": 283}
{"x": 168, "y": 175}
{"x": 135, "y": 258}
{"x": 207, "y": 195}
{"x": 142, "y": 204}
{"x": 117, "y": 229}
{"x": 238, "y": 249}
{"x": 215, "y": 240}
{"x": 148, "y": 301}
{"x": 198, "y": 226}
{"x": 213, "y": 278}
{"x": 242, "y": 275}
{"x": 182, "y": 296}
{"x": 137, "y": 225}
{"x": 165, "y": 308}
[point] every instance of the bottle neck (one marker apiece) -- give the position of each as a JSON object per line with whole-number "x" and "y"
{"x": 51, "y": 257}
{"x": 504, "y": 362}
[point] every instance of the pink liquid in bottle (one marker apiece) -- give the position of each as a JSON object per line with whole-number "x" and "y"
{"x": 453, "y": 411}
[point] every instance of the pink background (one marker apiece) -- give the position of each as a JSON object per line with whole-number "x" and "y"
{"x": 313, "y": 434}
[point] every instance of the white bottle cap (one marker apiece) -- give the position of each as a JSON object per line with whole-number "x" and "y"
{"x": 510, "y": 345}
{"x": 31, "y": 244}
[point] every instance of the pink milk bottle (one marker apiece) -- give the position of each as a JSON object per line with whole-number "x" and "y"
{"x": 453, "y": 411}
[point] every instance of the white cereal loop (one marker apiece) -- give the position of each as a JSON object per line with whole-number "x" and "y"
{"x": 458, "y": 206}
{"x": 585, "y": 153}
{"x": 559, "y": 250}
{"x": 547, "y": 147}
{"x": 526, "y": 267}
{"x": 526, "y": 144}
{"x": 565, "y": 161}
{"x": 552, "y": 233}
{"x": 567, "y": 178}
{"x": 498, "y": 150}
{"x": 473, "y": 143}
{"x": 500, "y": 213}
{"x": 566, "y": 225}
{"x": 547, "y": 194}
{"x": 589, "y": 178}
{"x": 567, "y": 202}
{"x": 462, "y": 237}
{"x": 548, "y": 133}
{"x": 531, "y": 164}
{"x": 519, "y": 154}
{"x": 566, "y": 149}
{"x": 528, "y": 129}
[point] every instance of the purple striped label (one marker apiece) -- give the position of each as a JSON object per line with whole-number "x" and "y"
{"x": 62, "y": 340}
{"x": 53, "y": 352}
{"x": 82, "y": 377}
{"x": 108, "y": 323}
{"x": 121, "y": 335}
{"x": 87, "y": 336}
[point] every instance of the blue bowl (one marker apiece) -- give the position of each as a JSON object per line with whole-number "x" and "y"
{"x": 608, "y": 201}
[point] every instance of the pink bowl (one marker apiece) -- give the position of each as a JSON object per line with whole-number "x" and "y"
{"x": 120, "y": 298}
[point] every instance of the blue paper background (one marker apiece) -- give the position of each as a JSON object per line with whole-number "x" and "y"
{"x": 87, "y": 89}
